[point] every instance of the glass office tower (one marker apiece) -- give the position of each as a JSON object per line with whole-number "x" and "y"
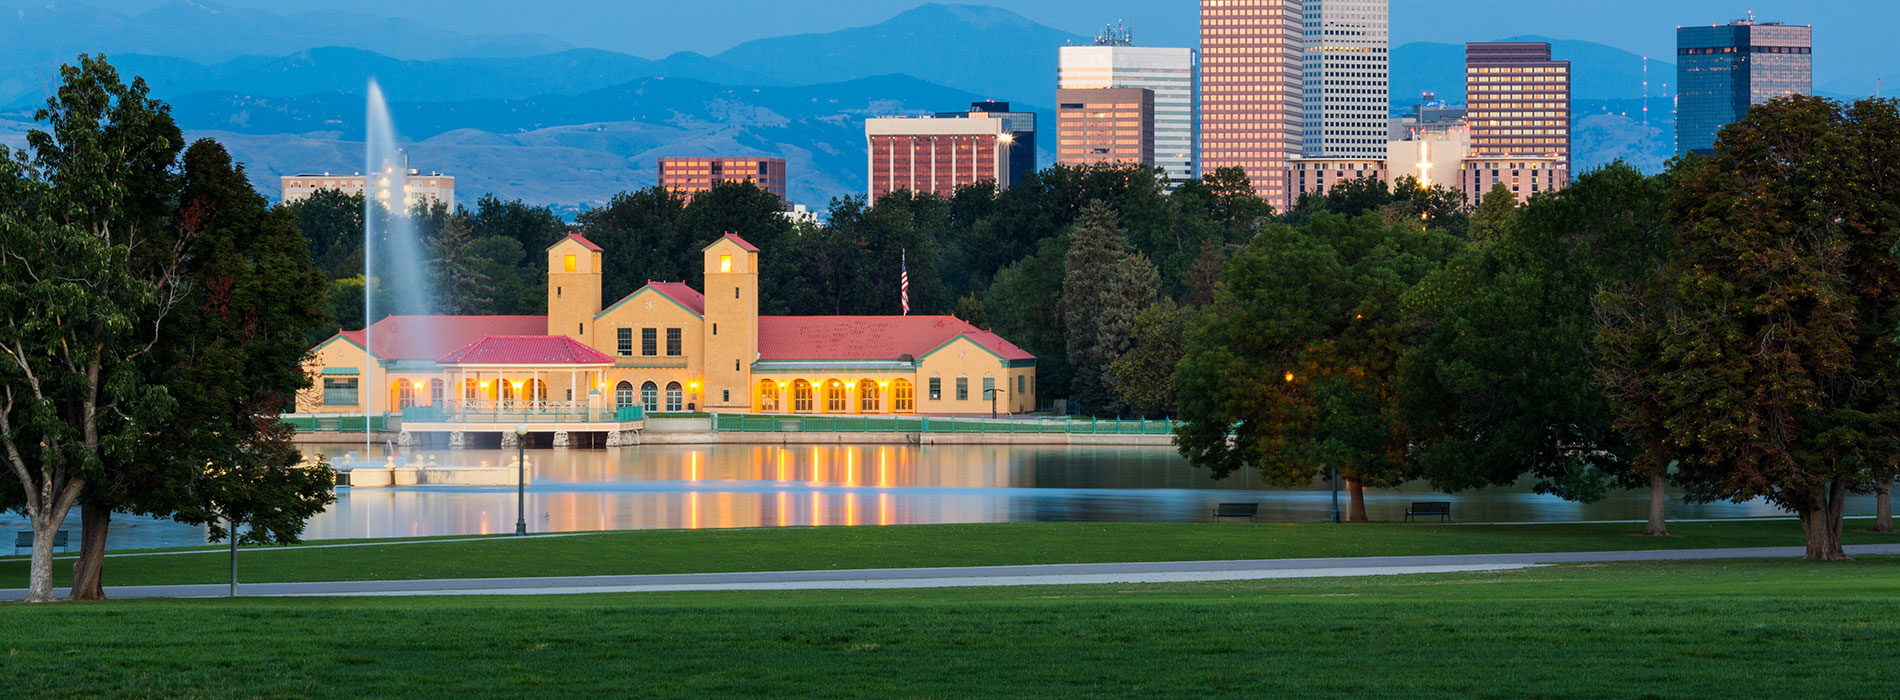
{"x": 1722, "y": 70}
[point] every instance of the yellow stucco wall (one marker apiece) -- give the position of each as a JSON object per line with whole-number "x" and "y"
{"x": 648, "y": 308}
{"x": 732, "y": 324}
{"x": 966, "y": 358}
{"x": 573, "y": 291}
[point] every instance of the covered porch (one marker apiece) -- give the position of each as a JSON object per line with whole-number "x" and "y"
{"x": 551, "y": 385}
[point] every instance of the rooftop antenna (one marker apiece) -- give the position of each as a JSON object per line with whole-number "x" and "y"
{"x": 1116, "y": 34}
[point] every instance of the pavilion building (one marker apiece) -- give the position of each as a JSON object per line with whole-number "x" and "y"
{"x": 596, "y": 369}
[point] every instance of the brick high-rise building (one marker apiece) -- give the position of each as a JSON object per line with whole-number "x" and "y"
{"x": 1518, "y": 101}
{"x": 1252, "y": 56}
{"x": 1115, "y": 62}
{"x": 1346, "y": 93}
{"x": 1105, "y": 126}
{"x": 1723, "y": 70}
{"x": 938, "y": 154}
{"x": 689, "y": 176}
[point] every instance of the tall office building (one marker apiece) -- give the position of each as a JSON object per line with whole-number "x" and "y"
{"x": 689, "y": 176}
{"x": 1345, "y": 92}
{"x": 1722, "y": 70}
{"x": 1517, "y": 101}
{"x": 938, "y": 154}
{"x": 1115, "y": 62}
{"x": 1107, "y": 125}
{"x": 1252, "y": 56}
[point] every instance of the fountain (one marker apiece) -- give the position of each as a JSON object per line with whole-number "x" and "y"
{"x": 394, "y": 260}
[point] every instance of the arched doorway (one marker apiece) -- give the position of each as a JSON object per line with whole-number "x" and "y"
{"x": 901, "y": 401}
{"x": 867, "y": 396}
{"x": 402, "y": 394}
{"x": 834, "y": 396}
{"x": 768, "y": 396}
{"x": 675, "y": 398}
{"x": 623, "y": 395}
{"x": 801, "y": 396}
{"x": 650, "y": 397}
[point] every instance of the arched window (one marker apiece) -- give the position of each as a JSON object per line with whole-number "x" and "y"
{"x": 901, "y": 398}
{"x": 801, "y": 396}
{"x": 650, "y": 397}
{"x": 867, "y": 396}
{"x": 473, "y": 391}
{"x": 404, "y": 393}
{"x": 623, "y": 395}
{"x": 768, "y": 396}
{"x": 675, "y": 399}
{"x": 834, "y": 396}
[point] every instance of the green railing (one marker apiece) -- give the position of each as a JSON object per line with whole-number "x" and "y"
{"x": 927, "y": 424}
{"x": 516, "y": 414}
{"x": 343, "y": 424}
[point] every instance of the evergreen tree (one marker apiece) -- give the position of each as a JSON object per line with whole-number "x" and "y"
{"x": 456, "y": 272}
{"x": 1091, "y": 271}
{"x": 1493, "y": 218}
{"x": 1144, "y": 375}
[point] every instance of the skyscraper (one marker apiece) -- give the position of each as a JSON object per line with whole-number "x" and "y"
{"x": 1105, "y": 125}
{"x": 1517, "y": 100}
{"x": 1722, "y": 70}
{"x": 1345, "y": 92}
{"x": 1115, "y": 62}
{"x": 692, "y": 175}
{"x": 1252, "y": 55}
{"x": 936, "y": 155}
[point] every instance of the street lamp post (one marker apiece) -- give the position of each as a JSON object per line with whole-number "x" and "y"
{"x": 521, "y": 479}
{"x": 991, "y": 395}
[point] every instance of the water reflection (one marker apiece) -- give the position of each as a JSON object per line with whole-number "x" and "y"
{"x": 726, "y": 486}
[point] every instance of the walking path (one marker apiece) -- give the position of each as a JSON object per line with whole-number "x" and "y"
{"x": 946, "y": 577}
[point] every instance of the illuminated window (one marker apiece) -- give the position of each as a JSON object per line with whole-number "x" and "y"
{"x": 900, "y": 397}
{"x": 725, "y": 263}
{"x": 568, "y": 264}
{"x": 867, "y": 396}
{"x": 768, "y": 395}
{"x": 801, "y": 396}
{"x": 834, "y": 397}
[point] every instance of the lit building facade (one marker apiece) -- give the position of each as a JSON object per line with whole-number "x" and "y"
{"x": 417, "y": 187}
{"x": 1168, "y": 72}
{"x": 1525, "y": 176}
{"x": 1517, "y": 101}
{"x": 690, "y": 176}
{"x": 938, "y": 154}
{"x": 1430, "y": 156}
{"x": 591, "y": 368}
{"x": 1723, "y": 70}
{"x": 1346, "y": 95}
{"x": 1252, "y": 110}
{"x": 1317, "y": 175}
{"x": 1109, "y": 125}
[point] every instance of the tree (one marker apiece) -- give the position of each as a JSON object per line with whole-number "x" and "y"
{"x": 1295, "y": 370}
{"x": 458, "y": 274}
{"x": 1136, "y": 286}
{"x": 1493, "y": 218}
{"x": 229, "y": 358}
{"x": 332, "y": 222}
{"x": 1506, "y": 383}
{"x": 1091, "y": 273}
{"x": 1773, "y": 369}
{"x": 1144, "y": 375}
{"x": 88, "y": 274}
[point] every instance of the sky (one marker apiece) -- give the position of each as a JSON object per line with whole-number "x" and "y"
{"x": 1854, "y": 33}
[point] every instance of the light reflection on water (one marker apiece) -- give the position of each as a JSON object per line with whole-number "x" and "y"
{"x": 724, "y": 486}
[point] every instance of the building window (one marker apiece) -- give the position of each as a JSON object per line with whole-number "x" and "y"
{"x": 650, "y": 342}
{"x": 1021, "y": 380}
{"x": 568, "y": 264}
{"x": 867, "y": 396}
{"x": 834, "y": 396}
{"x": 673, "y": 342}
{"x": 801, "y": 396}
{"x": 768, "y": 395}
{"x": 936, "y": 389}
{"x": 623, "y": 395}
{"x": 650, "y": 397}
{"x": 405, "y": 394}
{"x": 725, "y": 263}
{"x": 623, "y": 341}
{"x": 339, "y": 392}
{"x": 725, "y": 396}
{"x": 963, "y": 388}
{"x": 900, "y": 397}
{"x": 675, "y": 399}
{"x": 989, "y": 386}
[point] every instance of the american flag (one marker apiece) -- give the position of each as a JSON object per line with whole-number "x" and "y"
{"x": 903, "y": 281}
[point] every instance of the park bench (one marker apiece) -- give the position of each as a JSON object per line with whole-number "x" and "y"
{"x": 1429, "y": 508}
{"x": 24, "y": 540}
{"x": 1236, "y": 510}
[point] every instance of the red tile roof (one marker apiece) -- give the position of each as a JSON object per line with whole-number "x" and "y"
{"x": 680, "y": 292}
{"x": 736, "y": 239}
{"x": 870, "y": 337}
{"x": 579, "y": 239}
{"x": 526, "y": 350}
{"x": 427, "y": 337}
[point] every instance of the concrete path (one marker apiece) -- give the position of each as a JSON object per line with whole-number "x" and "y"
{"x": 945, "y": 577}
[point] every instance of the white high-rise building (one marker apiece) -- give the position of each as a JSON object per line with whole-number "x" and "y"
{"x": 1169, "y": 72}
{"x": 1346, "y": 92}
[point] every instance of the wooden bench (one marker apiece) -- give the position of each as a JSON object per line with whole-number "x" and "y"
{"x": 24, "y": 540}
{"x": 1429, "y": 508}
{"x": 1236, "y": 510}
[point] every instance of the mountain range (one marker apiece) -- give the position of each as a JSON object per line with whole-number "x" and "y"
{"x": 530, "y": 117}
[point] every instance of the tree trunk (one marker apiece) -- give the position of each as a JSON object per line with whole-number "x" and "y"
{"x": 1356, "y": 513}
{"x": 88, "y": 576}
{"x": 1883, "y": 506}
{"x": 1821, "y": 523}
{"x": 46, "y": 523}
{"x": 1658, "y": 502}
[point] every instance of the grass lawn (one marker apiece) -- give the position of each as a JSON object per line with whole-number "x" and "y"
{"x": 1728, "y": 629}
{"x": 788, "y": 549}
